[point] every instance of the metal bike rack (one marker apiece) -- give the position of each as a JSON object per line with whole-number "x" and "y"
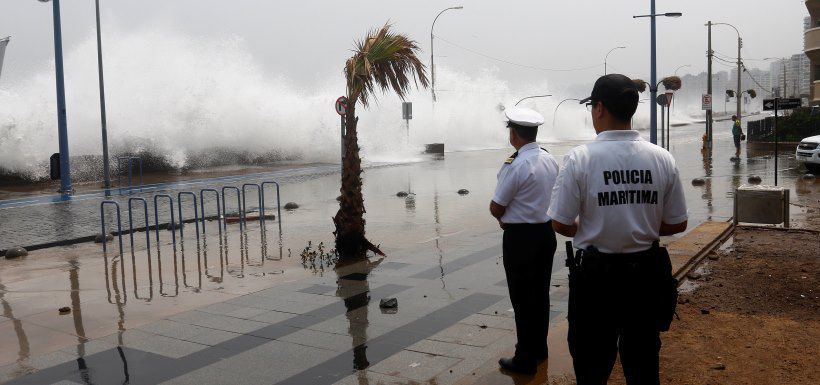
{"x": 130, "y": 160}
{"x": 278, "y": 201}
{"x": 218, "y": 209}
{"x": 182, "y": 219}
{"x": 171, "y": 210}
{"x": 238, "y": 206}
{"x": 131, "y": 223}
{"x": 258, "y": 196}
{"x": 102, "y": 223}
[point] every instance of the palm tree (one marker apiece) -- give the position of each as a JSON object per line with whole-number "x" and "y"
{"x": 382, "y": 60}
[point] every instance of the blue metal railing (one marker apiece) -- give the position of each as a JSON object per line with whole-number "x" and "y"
{"x": 102, "y": 223}
{"x": 278, "y": 202}
{"x": 258, "y": 197}
{"x": 182, "y": 219}
{"x": 238, "y": 206}
{"x": 170, "y": 210}
{"x": 131, "y": 223}
{"x": 130, "y": 160}
{"x": 218, "y": 209}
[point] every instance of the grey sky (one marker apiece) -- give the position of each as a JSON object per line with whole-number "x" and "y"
{"x": 307, "y": 41}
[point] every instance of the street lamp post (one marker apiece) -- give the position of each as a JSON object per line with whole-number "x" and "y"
{"x": 653, "y": 91}
{"x": 532, "y": 97}
{"x": 432, "y": 56}
{"x": 106, "y": 175}
{"x": 62, "y": 126}
{"x": 555, "y": 113}
{"x": 683, "y": 66}
{"x": 607, "y": 56}
{"x": 739, "y": 67}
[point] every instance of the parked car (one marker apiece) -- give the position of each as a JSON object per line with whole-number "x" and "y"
{"x": 808, "y": 153}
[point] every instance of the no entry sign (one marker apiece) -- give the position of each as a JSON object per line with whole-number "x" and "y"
{"x": 341, "y": 106}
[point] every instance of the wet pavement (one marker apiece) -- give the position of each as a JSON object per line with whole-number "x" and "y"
{"x": 268, "y": 304}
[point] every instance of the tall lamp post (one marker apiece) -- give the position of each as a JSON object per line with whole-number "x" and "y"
{"x": 62, "y": 126}
{"x": 683, "y": 66}
{"x": 555, "y": 113}
{"x": 106, "y": 175}
{"x": 653, "y": 109}
{"x": 532, "y": 97}
{"x": 432, "y": 57}
{"x": 739, "y": 67}
{"x": 607, "y": 56}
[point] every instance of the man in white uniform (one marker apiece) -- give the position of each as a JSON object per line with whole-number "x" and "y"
{"x": 520, "y": 204}
{"x": 617, "y": 196}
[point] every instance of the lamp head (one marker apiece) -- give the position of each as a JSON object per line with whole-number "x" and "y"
{"x": 459, "y": 7}
{"x": 673, "y": 14}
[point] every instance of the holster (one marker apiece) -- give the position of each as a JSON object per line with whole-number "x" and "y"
{"x": 590, "y": 268}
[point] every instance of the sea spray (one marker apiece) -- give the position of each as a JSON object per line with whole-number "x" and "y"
{"x": 186, "y": 102}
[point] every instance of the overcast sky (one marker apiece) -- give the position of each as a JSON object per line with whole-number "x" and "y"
{"x": 307, "y": 41}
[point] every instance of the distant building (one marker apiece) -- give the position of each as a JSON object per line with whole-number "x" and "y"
{"x": 811, "y": 47}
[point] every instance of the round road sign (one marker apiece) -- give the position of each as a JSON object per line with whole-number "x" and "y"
{"x": 341, "y": 106}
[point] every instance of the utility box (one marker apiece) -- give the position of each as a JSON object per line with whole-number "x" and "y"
{"x": 762, "y": 205}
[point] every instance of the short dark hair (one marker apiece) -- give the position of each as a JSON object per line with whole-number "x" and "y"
{"x": 526, "y": 133}
{"x": 623, "y": 107}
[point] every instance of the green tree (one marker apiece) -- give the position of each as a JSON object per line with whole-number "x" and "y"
{"x": 382, "y": 61}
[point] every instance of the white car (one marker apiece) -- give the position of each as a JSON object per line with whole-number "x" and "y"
{"x": 808, "y": 153}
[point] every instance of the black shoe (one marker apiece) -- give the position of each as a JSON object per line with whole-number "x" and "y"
{"x": 512, "y": 365}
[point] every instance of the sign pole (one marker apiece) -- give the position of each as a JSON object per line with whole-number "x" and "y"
{"x": 341, "y": 109}
{"x": 342, "y": 142}
{"x": 776, "y": 141}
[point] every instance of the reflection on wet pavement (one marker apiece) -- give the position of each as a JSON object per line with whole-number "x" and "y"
{"x": 232, "y": 305}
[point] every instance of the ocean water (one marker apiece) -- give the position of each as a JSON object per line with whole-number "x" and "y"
{"x": 187, "y": 102}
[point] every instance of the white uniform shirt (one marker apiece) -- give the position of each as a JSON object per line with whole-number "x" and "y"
{"x": 524, "y": 185}
{"x": 621, "y": 188}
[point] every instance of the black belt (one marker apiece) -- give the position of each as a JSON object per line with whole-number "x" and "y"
{"x": 514, "y": 225}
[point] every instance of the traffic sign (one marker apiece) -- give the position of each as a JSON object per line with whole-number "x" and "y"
{"x": 706, "y": 102}
{"x": 407, "y": 110}
{"x": 663, "y": 100}
{"x": 341, "y": 106}
{"x": 781, "y": 104}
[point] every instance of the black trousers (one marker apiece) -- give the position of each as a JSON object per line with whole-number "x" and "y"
{"x": 613, "y": 304}
{"x": 528, "y": 253}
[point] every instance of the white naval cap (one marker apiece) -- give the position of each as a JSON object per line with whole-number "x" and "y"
{"x": 524, "y": 117}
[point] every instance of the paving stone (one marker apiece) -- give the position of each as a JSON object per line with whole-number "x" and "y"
{"x": 210, "y": 375}
{"x": 369, "y": 377}
{"x": 231, "y": 310}
{"x": 267, "y": 303}
{"x": 448, "y": 349}
{"x": 414, "y": 365}
{"x": 188, "y": 332}
{"x": 219, "y": 322}
{"x": 323, "y": 340}
{"x": 469, "y": 335}
{"x": 33, "y": 364}
{"x": 273, "y": 317}
{"x": 491, "y": 321}
{"x": 154, "y": 343}
{"x": 275, "y": 360}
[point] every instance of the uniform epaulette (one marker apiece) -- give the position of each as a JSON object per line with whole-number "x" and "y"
{"x": 511, "y": 158}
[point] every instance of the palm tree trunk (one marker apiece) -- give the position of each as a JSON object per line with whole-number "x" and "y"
{"x": 349, "y": 220}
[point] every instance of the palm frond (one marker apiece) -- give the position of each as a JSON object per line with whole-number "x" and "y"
{"x": 384, "y": 61}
